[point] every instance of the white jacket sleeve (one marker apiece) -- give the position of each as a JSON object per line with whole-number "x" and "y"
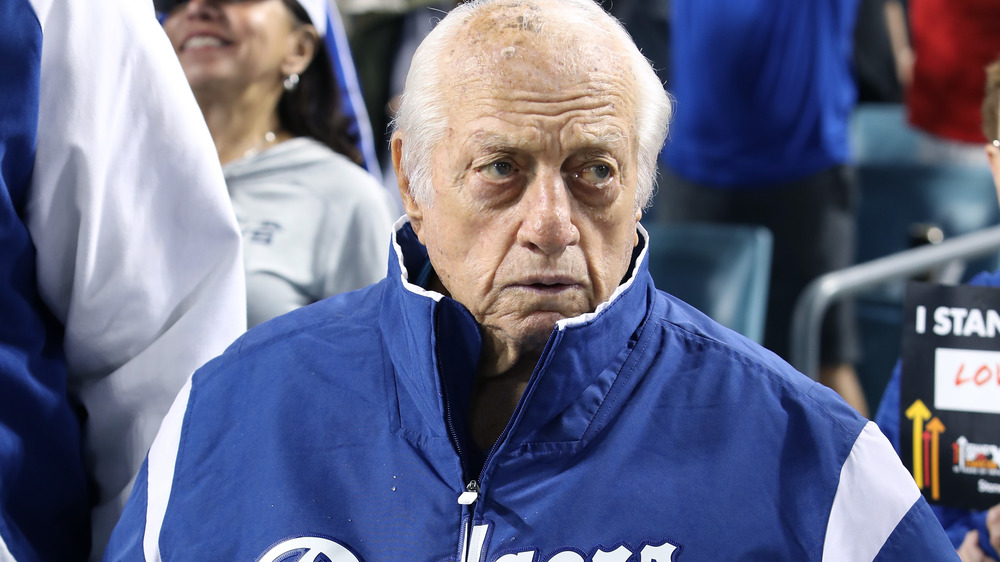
{"x": 138, "y": 250}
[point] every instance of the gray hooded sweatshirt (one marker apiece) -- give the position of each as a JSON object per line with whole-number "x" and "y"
{"x": 314, "y": 224}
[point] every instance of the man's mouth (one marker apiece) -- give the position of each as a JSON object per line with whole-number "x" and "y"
{"x": 549, "y": 284}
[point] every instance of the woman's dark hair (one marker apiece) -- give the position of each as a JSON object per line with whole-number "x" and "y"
{"x": 312, "y": 109}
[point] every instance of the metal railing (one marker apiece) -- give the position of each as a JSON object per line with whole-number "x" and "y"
{"x": 807, "y": 318}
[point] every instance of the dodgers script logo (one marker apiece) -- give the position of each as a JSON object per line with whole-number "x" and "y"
{"x": 316, "y": 549}
{"x": 309, "y": 549}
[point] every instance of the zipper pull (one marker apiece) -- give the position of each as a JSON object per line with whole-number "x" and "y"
{"x": 471, "y": 493}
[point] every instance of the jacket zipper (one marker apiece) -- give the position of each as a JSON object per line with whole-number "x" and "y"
{"x": 468, "y": 498}
{"x": 472, "y": 490}
{"x": 471, "y": 493}
{"x": 448, "y": 417}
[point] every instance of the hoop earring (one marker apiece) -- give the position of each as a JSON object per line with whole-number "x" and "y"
{"x": 291, "y": 82}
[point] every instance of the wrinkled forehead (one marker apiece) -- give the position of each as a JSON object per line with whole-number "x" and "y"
{"x": 522, "y": 61}
{"x": 519, "y": 38}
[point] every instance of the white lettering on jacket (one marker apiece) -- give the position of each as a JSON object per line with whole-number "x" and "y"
{"x": 650, "y": 552}
{"x": 310, "y": 549}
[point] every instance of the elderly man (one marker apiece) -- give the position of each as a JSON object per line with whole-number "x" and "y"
{"x": 517, "y": 390}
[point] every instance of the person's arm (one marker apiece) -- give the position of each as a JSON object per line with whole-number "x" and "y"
{"x": 899, "y": 40}
{"x": 887, "y": 415}
{"x": 878, "y": 512}
{"x": 976, "y": 534}
{"x": 137, "y": 534}
{"x": 993, "y": 529}
{"x": 139, "y": 254}
{"x": 970, "y": 551}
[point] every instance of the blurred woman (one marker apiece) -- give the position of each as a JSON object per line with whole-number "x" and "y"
{"x": 314, "y": 222}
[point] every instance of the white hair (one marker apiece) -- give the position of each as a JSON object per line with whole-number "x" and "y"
{"x": 423, "y": 117}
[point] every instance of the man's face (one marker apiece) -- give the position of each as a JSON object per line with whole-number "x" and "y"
{"x": 533, "y": 213}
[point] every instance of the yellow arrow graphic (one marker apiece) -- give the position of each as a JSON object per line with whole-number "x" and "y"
{"x": 919, "y": 413}
{"x": 935, "y": 428}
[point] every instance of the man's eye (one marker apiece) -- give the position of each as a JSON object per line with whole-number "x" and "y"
{"x": 596, "y": 174}
{"x": 498, "y": 170}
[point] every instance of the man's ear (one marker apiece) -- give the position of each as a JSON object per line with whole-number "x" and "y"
{"x": 410, "y": 205}
{"x": 302, "y": 44}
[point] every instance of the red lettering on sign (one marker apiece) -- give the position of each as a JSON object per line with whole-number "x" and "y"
{"x": 959, "y": 381}
{"x": 983, "y": 375}
{"x": 986, "y": 373}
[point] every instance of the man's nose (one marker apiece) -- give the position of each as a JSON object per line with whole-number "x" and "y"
{"x": 548, "y": 215}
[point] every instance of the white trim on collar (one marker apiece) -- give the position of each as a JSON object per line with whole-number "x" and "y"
{"x": 587, "y": 317}
{"x": 561, "y": 324}
{"x": 404, "y": 275}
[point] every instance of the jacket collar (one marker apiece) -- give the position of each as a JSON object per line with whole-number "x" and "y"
{"x": 434, "y": 345}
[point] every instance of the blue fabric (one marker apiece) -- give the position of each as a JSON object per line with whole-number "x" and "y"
{"x": 645, "y": 424}
{"x": 956, "y": 522}
{"x": 130, "y": 539}
{"x": 351, "y": 102}
{"x": 44, "y": 511}
{"x": 764, "y": 89}
{"x": 913, "y": 527}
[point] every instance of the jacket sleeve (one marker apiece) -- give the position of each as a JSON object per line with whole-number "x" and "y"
{"x": 878, "y": 512}
{"x": 139, "y": 255}
{"x": 126, "y": 540}
{"x": 918, "y": 536}
{"x": 137, "y": 534}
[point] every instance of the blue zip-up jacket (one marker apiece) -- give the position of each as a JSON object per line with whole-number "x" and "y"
{"x": 646, "y": 433}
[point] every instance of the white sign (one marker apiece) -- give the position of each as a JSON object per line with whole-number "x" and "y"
{"x": 967, "y": 380}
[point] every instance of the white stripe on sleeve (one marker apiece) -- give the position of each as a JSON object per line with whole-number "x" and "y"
{"x": 874, "y": 494}
{"x": 5, "y": 555}
{"x": 160, "y": 472}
